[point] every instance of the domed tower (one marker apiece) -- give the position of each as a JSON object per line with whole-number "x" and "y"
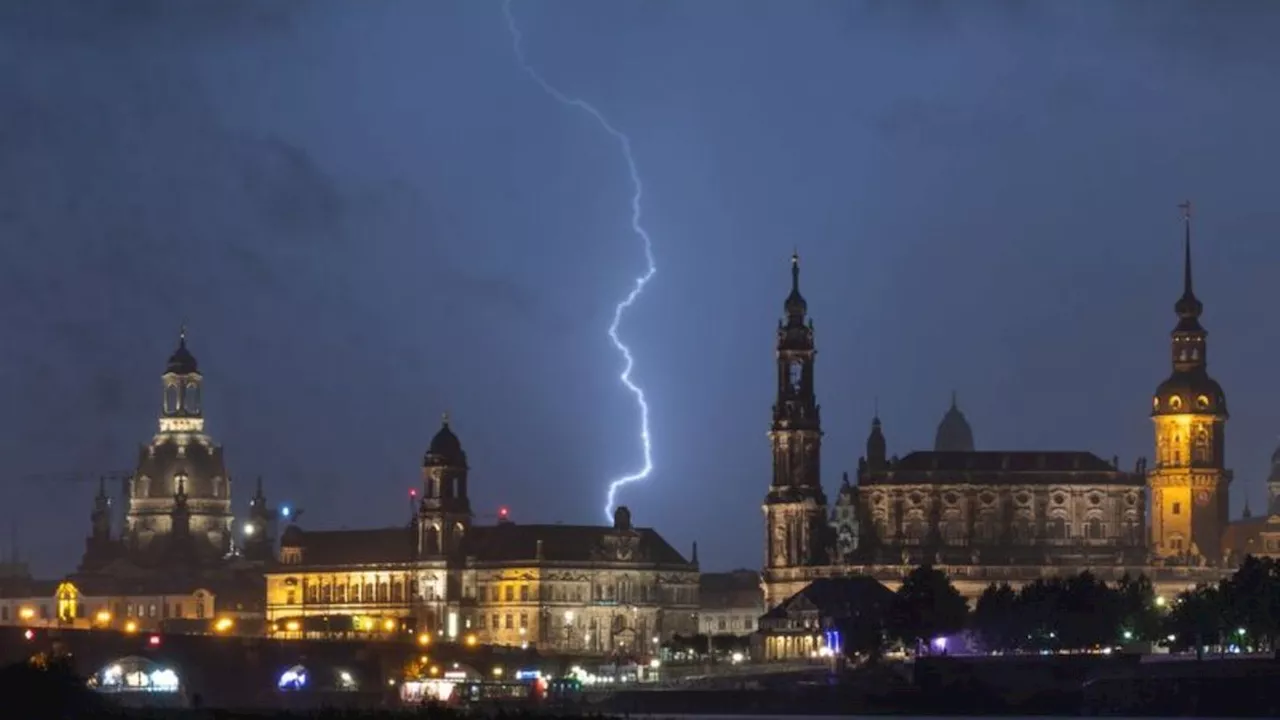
{"x": 1189, "y": 479}
{"x": 954, "y": 433}
{"x": 180, "y": 475}
{"x": 445, "y": 512}
{"x": 796, "y": 507}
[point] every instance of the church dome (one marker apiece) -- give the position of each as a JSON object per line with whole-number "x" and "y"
{"x": 1189, "y": 392}
{"x": 954, "y": 433}
{"x": 445, "y": 449}
{"x": 182, "y": 362}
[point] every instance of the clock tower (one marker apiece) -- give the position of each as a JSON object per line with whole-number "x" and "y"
{"x": 1189, "y": 478}
{"x": 795, "y": 509}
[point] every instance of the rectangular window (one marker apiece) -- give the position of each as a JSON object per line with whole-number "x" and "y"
{"x": 524, "y": 620}
{"x": 510, "y": 593}
{"x": 508, "y": 621}
{"x": 495, "y": 621}
{"x": 1177, "y": 508}
{"x": 524, "y": 593}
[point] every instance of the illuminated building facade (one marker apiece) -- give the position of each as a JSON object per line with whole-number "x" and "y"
{"x": 1002, "y": 516}
{"x": 582, "y": 588}
{"x": 94, "y": 603}
{"x": 1189, "y": 478}
{"x": 729, "y": 603}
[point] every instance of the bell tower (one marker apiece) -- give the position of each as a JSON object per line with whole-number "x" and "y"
{"x": 795, "y": 508}
{"x": 444, "y": 516}
{"x": 1189, "y": 479}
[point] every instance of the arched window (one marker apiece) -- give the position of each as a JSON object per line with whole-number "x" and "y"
{"x": 1201, "y": 449}
{"x": 383, "y": 592}
{"x": 170, "y": 398}
{"x": 397, "y": 591}
{"x": 191, "y": 397}
{"x": 368, "y": 593}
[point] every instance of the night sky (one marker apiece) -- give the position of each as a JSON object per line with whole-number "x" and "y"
{"x": 367, "y": 215}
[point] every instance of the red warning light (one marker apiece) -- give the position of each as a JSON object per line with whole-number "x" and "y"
{"x": 413, "y": 492}
{"x": 154, "y": 640}
{"x": 502, "y": 512}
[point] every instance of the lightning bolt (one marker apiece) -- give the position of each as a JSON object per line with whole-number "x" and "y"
{"x": 517, "y": 43}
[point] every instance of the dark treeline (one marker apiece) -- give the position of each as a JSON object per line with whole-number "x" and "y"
{"x": 1077, "y": 613}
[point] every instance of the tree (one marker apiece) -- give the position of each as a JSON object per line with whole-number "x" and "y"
{"x": 1139, "y": 614}
{"x": 928, "y": 607}
{"x": 995, "y": 618}
{"x": 1251, "y": 601}
{"x": 1197, "y": 618}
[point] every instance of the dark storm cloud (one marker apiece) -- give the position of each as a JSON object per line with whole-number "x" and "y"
{"x": 91, "y": 22}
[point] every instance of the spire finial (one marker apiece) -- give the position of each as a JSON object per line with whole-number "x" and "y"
{"x": 795, "y": 270}
{"x": 182, "y": 334}
{"x": 1185, "y": 206}
{"x": 444, "y": 418}
{"x": 953, "y": 400}
{"x": 875, "y": 407}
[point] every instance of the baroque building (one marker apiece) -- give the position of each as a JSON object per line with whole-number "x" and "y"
{"x": 616, "y": 589}
{"x": 179, "y": 498}
{"x": 173, "y": 563}
{"x": 988, "y": 516}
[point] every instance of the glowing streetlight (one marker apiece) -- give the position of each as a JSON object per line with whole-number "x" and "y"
{"x": 249, "y": 529}
{"x": 424, "y": 638}
{"x": 131, "y": 627}
{"x": 223, "y": 625}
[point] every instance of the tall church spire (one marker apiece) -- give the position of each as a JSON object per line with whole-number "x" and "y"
{"x": 1188, "y": 306}
{"x": 1189, "y": 480}
{"x": 795, "y": 507}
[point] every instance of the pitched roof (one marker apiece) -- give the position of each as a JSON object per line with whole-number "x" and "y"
{"x": 512, "y": 542}
{"x": 839, "y": 597}
{"x": 724, "y": 591}
{"x": 503, "y": 543}
{"x": 988, "y": 466}
{"x": 352, "y": 547}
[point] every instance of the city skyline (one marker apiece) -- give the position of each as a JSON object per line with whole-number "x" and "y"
{"x": 392, "y": 221}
